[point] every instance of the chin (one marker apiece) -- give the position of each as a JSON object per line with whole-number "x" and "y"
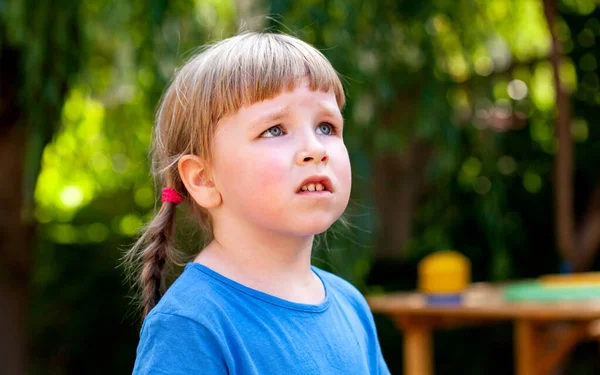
{"x": 315, "y": 226}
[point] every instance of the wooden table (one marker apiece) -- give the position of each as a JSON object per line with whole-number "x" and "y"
{"x": 544, "y": 333}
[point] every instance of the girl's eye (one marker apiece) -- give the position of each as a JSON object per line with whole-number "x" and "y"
{"x": 325, "y": 128}
{"x": 273, "y": 131}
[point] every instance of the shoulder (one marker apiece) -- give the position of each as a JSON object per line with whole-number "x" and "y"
{"x": 337, "y": 282}
{"x": 181, "y": 333}
{"x": 352, "y": 303}
{"x": 177, "y": 345}
{"x": 338, "y": 286}
{"x": 194, "y": 295}
{"x": 161, "y": 322}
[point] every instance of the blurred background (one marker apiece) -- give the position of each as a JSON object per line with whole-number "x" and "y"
{"x": 472, "y": 125}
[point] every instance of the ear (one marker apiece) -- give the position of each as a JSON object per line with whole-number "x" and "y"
{"x": 197, "y": 181}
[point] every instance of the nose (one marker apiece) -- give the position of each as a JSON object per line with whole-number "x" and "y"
{"x": 312, "y": 152}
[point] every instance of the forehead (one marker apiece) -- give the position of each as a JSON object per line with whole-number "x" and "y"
{"x": 299, "y": 98}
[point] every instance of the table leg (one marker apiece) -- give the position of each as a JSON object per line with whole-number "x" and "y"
{"x": 525, "y": 347}
{"x": 418, "y": 351}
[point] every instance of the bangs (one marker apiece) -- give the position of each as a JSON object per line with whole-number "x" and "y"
{"x": 254, "y": 67}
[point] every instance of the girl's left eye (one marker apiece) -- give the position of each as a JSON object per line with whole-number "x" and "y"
{"x": 325, "y": 128}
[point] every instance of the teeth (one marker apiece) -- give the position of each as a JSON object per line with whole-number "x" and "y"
{"x": 313, "y": 187}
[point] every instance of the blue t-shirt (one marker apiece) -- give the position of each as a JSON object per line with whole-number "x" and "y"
{"x": 209, "y": 324}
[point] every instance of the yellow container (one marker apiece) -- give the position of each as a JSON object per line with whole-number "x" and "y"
{"x": 444, "y": 272}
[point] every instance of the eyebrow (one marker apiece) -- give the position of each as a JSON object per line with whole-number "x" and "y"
{"x": 270, "y": 117}
{"x": 332, "y": 112}
{"x": 326, "y": 111}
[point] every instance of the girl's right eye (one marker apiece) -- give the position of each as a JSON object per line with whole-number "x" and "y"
{"x": 273, "y": 131}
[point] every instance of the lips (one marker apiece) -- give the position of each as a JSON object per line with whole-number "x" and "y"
{"x": 323, "y": 180}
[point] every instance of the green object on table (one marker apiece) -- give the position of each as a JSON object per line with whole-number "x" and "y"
{"x": 537, "y": 292}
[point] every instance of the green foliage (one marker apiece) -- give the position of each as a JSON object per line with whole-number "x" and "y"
{"x": 469, "y": 78}
{"x": 44, "y": 38}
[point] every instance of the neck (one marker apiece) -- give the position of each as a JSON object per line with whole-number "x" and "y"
{"x": 278, "y": 264}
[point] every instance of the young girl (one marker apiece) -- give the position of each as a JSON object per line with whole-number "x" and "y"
{"x": 249, "y": 135}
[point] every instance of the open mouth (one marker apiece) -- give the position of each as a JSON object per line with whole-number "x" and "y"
{"x": 316, "y": 184}
{"x": 313, "y": 187}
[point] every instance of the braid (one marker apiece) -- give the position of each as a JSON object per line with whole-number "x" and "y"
{"x": 149, "y": 256}
{"x": 151, "y": 275}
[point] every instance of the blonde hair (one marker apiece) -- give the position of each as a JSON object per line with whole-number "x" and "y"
{"x": 226, "y": 76}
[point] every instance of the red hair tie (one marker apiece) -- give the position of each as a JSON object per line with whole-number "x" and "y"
{"x": 170, "y": 195}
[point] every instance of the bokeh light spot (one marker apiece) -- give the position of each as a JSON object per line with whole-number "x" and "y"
{"x": 532, "y": 182}
{"x": 71, "y": 196}
{"x": 130, "y": 224}
{"x": 506, "y": 164}
{"x": 517, "y": 89}
{"x": 144, "y": 197}
{"x": 97, "y": 232}
{"x": 482, "y": 185}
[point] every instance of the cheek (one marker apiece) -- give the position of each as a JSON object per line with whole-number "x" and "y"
{"x": 263, "y": 191}
{"x": 342, "y": 167}
{"x": 268, "y": 169}
{"x": 253, "y": 173}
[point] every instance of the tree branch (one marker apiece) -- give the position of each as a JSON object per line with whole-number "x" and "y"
{"x": 563, "y": 186}
{"x": 588, "y": 239}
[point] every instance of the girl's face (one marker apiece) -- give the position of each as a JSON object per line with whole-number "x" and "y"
{"x": 267, "y": 153}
